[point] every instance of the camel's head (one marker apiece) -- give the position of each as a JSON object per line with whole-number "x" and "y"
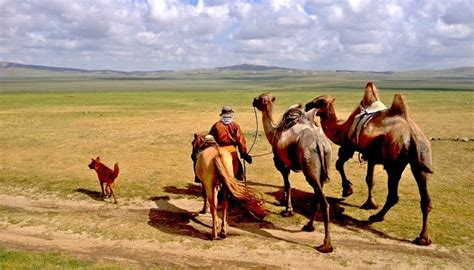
{"x": 263, "y": 101}
{"x": 321, "y": 104}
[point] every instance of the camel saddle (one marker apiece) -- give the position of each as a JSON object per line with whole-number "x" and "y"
{"x": 364, "y": 117}
{"x": 291, "y": 117}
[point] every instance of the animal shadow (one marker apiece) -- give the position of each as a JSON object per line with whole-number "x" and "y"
{"x": 190, "y": 189}
{"x": 171, "y": 219}
{"x": 303, "y": 204}
{"x": 95, "y": 195}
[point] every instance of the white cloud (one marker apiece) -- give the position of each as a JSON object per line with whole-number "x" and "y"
{"x": 453, "y": 30}
{"x": 176, "y": 34}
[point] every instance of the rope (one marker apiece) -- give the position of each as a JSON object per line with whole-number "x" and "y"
{"x": 251, "y": 147}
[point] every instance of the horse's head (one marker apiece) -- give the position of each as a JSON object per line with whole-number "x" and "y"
{"x": 198, "y": 141}
{"x": 371, "y": 94}
{"x": 263, "y": 101}
{"x": 321, "y": 104}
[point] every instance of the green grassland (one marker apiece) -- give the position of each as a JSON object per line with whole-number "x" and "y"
{"x": 50, "y": 128}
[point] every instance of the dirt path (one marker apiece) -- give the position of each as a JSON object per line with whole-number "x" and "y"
{"x": 178, "y": 239}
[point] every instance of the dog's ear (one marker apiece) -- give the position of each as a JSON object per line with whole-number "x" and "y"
{"x": 195, "y": 136}
{"x": 98, "y": 158}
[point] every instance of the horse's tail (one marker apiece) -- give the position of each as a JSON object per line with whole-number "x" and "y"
{"x": 252, "y": 199}
{"x": 421, "y": 145}
{"x": 116, "y": 170}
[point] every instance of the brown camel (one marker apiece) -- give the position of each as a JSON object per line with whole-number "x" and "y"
{"x": 299, "y": 145}
{"x": 338, "y": 132}
{"x": 392, "y": 139}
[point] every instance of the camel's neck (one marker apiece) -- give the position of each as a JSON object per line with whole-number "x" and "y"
{"x": 268, "y": 125}
{"x": 334, "y": 128}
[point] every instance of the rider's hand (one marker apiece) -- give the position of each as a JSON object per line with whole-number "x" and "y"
{"x": 247, "y": 158}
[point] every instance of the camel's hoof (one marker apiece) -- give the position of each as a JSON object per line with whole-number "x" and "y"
{"x": 369, "y": 205}
{"x": 287, "y": 213}
{"x": 422, "y": 241}
{"x": 324, "y": 248}
{"x": 346, "y": 192}
{"x": 376, "y": 218}
{"x": 308, "y": 228}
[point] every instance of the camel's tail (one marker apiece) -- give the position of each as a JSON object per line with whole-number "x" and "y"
{"x": 252, "y": 199}
{"x": 116, "y": 170}
{"x": 423, "y": 149}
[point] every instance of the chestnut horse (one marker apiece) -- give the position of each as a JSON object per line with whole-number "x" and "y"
{"x": 213, "y": 167}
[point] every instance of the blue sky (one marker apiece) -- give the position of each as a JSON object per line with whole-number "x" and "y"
{"x": 170, "y": 34}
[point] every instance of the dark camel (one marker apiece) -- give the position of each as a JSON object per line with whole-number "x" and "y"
{"x": 392, "y": 139}
{"x": 299, "y": 145}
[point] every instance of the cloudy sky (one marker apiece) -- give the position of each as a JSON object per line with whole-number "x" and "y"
{"x": 182, "y": 34}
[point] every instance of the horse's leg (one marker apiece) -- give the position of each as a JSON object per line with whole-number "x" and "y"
{"x": 225, "y": 206}
{"x": 203, "y": 193}
{"x": 369, "y": 178}
{"x": 344, "y": 154}
{"x": 394, "y": 172}
{"x": 212, "y": 197}
{"x": 285, "y": 172}
{"x": 425, "y": 203}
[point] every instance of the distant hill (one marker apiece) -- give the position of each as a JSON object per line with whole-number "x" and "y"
{"x": 241, "y": 71}
{"x": 250, "y": 67}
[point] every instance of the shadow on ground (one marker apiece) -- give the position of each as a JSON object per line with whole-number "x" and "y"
{"x": 171, "y": 219}
{"x": 95, "y": 195}
{"x": 302, "y": 204}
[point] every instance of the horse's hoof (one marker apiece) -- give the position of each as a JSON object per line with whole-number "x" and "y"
{"x": 287, "y": 213}
{"x": 203, "y": 211}
{"x": 422, "y": 241}
{"x": 308, "y": 228}
{"x": 376, "y": 218}
{"x": 369, "y": 205}
{"x": 324, "y": 248}
{"x": 222, "y": 235}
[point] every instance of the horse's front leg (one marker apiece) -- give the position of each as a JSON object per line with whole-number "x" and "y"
{"x": 204, "y": 197}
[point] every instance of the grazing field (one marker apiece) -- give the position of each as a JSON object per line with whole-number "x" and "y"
{"x": 51, "y": 213}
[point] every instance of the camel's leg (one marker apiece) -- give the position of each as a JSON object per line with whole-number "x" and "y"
{"x": 204, "y": 207}
{"x": 394, "y": 174}
{"x": 344, "y": 154}
{"x": 369, "y": 178}
{"x": 225, "y": 206}
{"x": 425, "y": 203}
{"x": 212, "y": 197}
{"x": 285, "y": 172}
{"x": 326, "y": 247}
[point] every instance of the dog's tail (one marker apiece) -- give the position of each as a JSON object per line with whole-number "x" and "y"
{"x": 116, "y": 170}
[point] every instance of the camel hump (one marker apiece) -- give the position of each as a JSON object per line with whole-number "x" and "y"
{"x": 399, "y": 106}
{"x": 296, "y": 106}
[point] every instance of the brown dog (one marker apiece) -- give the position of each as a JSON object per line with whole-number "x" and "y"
{"x": 106, "y": 175}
